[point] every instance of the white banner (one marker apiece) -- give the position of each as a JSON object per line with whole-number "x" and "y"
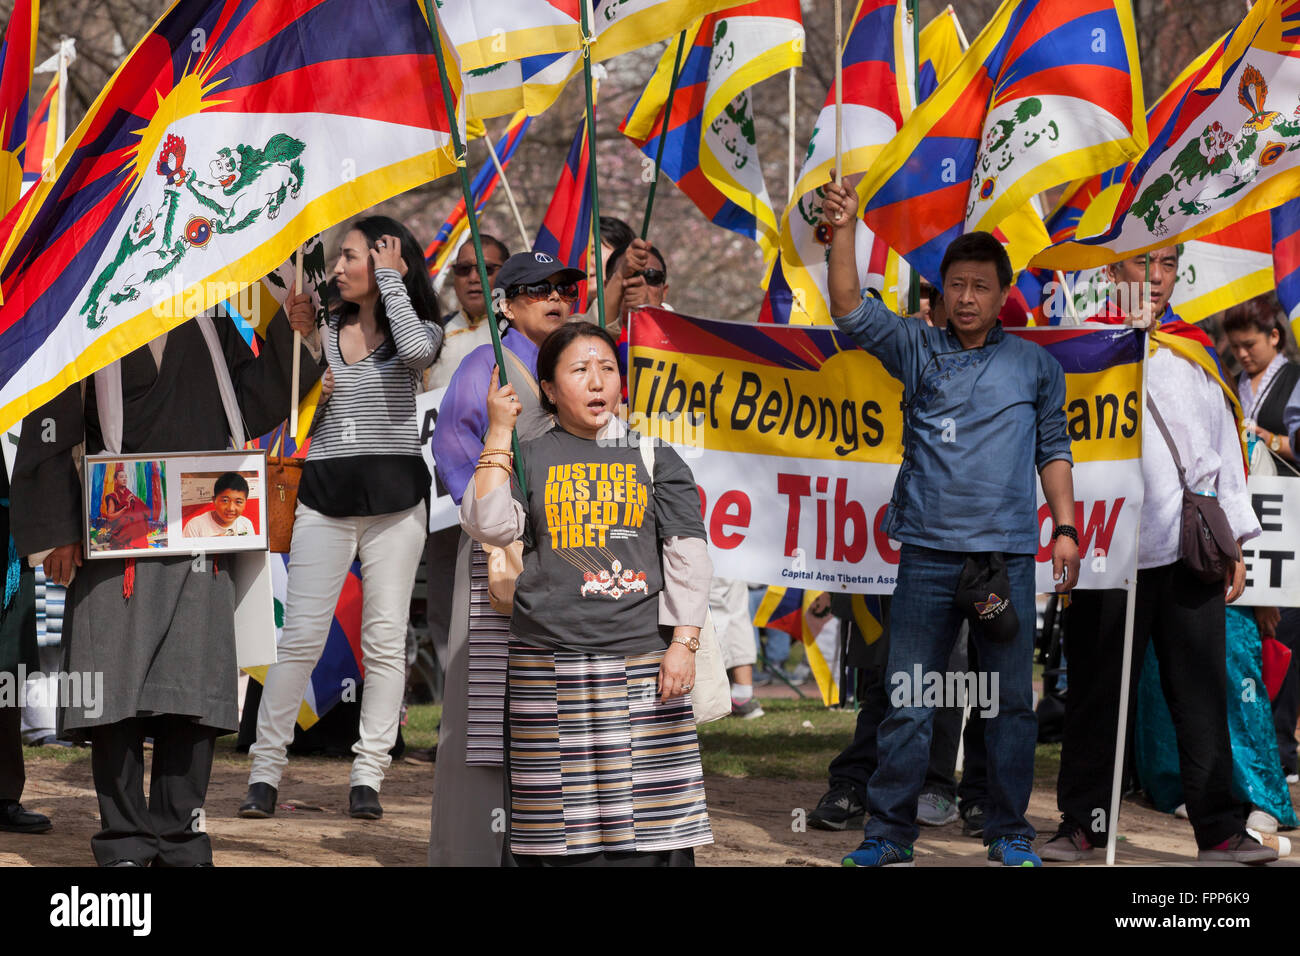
{"x": 1272, "y": 571}
{"x": 443, "y": 512}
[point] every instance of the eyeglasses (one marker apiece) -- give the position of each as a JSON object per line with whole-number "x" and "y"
{"x": 537, "y": 291}
{"x": 654, "y": 277}
{"x": 464, "y": 269}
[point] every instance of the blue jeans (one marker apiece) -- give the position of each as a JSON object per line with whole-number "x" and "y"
{"x": 773, "y": 645}
{"x": 923, "y": 625}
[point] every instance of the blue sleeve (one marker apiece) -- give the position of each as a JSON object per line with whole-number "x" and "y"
{"x": 894, "y": 340}
{"x": 462, "y": 423}
{"x": 1053, "y": 442}
{"x": 1291, "y": 416}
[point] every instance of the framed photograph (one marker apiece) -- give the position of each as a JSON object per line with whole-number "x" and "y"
{"x": 181, "y": 504}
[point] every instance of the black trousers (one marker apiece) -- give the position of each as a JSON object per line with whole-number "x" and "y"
{"x": 1184, "y": 617}
{"x": 169, "y": 829}
{"x": 12, "y": 775}
{"x": 855, "y": 764}
{"x": 1286, "y": 707}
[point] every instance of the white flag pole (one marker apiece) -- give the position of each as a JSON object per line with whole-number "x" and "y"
{"x": 790, "y": 155}
{"x": 1126, "y": 666}
{"x": 510, "y": 195}
{"x": 839, "y": 94}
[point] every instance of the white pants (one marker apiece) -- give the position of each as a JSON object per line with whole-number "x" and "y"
{"x": 729, "y": 604}
{"x": 389, "y": 547}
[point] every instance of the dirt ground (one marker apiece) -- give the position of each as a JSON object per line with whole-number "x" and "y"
{"x": 755, "y": 822}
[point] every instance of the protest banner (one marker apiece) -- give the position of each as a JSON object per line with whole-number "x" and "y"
{"x": 794, "y": 435}
{"x": 443, "y": 512}
{"x": 1272, "y": 571}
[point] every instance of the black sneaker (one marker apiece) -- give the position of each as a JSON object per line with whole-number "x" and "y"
{"x": 972, "y": 821}
{"x": 838, "y": 809}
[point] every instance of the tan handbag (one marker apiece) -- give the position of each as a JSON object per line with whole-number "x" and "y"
{"x": 711, "y": 694}
{"x": 282, "y": 478}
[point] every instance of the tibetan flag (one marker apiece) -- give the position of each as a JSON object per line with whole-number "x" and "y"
{"x": 566, "y": 227}
{"x": 1215, "y": 272}
{"x": 196, "y": 174}
{"x": 878, "y": 67}
{"x": 1049, "y": 92}
{"x": 711, "y": 152}
{"x": 17, "y": 57}
{"x": 621, "y": 26}
{"x": 1229, "y": 146}
{"x": 487, "y": 34}
{"x": 531, "y": 84}
{"x": 787, "y": 609}
{"x": 940, "y": 48}
{"x": 446, "y": 241}
{"x": 340, "y": 670}
{"x": 1286, "y": 259}
{"x": 42, "y": 133}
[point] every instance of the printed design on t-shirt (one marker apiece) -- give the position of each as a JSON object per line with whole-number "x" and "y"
{"x": 589, "y": 506}
{"x": 614, "y": 582}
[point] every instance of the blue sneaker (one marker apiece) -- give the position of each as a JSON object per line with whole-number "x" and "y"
{"x": 878, "y": 852}
{"x": 1014, "y": 850}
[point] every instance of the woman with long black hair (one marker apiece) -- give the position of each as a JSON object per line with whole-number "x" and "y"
{"x": 363, "y": 492}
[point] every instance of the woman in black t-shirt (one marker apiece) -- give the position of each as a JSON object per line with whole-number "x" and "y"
{"x": 606, "y": 621}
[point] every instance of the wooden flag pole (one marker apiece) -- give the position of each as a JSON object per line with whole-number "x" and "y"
{"x": 510, "y": 193}
{"x": 467, "y": 190}
{"x": 914, "y": 280}
{"x": 839, "y": 93}
{"x": 587, "y": 40}
{"x": 664, "y": 126}
{"x": 790, "y": 146}
{"x": 297, "y": 350}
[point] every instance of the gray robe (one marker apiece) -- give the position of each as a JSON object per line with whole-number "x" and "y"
{"x": 467, "y": 826}
{"x": 170, "y": 648}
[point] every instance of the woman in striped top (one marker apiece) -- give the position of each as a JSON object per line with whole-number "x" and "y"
{"x": 364, "y": 493}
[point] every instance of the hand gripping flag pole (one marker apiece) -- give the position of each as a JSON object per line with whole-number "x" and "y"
{"x": 665, "y": 124}
{"x": 468, "y": 191}
{"x": 587, "y": 40}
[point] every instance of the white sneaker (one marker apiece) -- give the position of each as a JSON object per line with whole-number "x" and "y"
{"x": 1261, "y": 821}
{"x": 1180, "y": 811}
{"x": 933, "y": 810}
{"x": 1293, "y": 778}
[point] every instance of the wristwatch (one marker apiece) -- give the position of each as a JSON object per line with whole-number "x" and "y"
{"x": 692, "y": 643}
{"x": 1276, "y": 443}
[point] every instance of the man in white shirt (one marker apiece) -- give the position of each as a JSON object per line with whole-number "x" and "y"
{"x": 1182, "y": 614}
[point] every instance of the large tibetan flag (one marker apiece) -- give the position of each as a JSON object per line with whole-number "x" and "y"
{"x": 566, "y": 228}
{"x": 787, "y": 609}
{"x": 487, "y": 34}
{"x": 711, "y": 151}
{"x": 447, "y": 240}
{"x": 197, "y": 173}
{"x": 878, "y": 67}
{"x": 42, "y": 134}
{"x": 530, "y": 84}
{"x": 340, "y": 671}
{"x": 1050, "y": 91}
{"x": 1227, "y": 148}
{"x": 17, "y": 57}
{"x": 1286, "y": 259}
{"x": 1215, "y": 272}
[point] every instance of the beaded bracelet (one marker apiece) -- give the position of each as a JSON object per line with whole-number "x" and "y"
{"x": 497, "y": 451}
{"x": 1066, "y": 530}
{"x": 494, "y": 464}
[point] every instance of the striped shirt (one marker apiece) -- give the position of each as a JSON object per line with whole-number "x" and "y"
{"x": 372, "y": 408}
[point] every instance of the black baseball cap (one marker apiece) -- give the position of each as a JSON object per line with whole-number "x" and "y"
{"x": 525, "y": 267}
{"x": 984, "y": 597}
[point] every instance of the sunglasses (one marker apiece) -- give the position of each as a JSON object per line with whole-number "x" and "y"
{"x": 537, "y": 291}
{"x": 466, "y": 269}
{"x": 654, "y": 277}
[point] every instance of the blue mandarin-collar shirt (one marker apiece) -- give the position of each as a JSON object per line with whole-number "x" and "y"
{"x": 979, "y": 424}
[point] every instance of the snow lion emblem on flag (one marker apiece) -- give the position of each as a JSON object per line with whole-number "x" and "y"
{"x": 243, "y": 182}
